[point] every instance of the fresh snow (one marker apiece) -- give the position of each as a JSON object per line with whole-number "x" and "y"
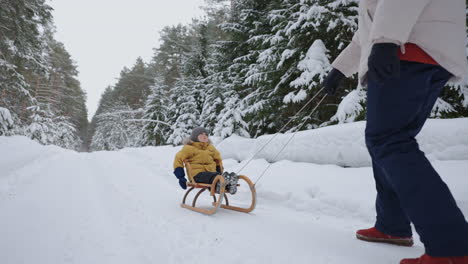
{"x": 344, "y": 145}
{"x": 60, "y": 206}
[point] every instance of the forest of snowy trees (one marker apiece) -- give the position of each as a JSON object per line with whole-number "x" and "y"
{"x": 245, "y": 68}
{"x": 40, "y": 96}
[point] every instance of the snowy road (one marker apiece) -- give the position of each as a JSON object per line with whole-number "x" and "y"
{"x": 59, "y": 206}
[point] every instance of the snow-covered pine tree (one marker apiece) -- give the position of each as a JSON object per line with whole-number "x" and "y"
{"x": 281, "y": 57}
{"x": 121, "y": 109}
{"x": 195, "y": 95}
{"x": 221, "y": 97}
{"x": 105, "y": 105}
{"x": 71, "y": 98}
{"x": 22, "y": 49}
{"x": 231, "y": 118}
{"x": 42, "y": 124}
{"x": 243, "y": 24}
{"x": 195, "y": 63}
{"x": 261, "y": 105}
{"x": 65, "y": 134}
{"x": 316, "y": 30}
{"x": 351, "y": 107}
{"x": 168, "y": 58}
{"x": 48, "y": 128}
{"x": 117, "y": 128}
{"x": 6, "y": 122}
{"x": 156, "y": 129}
{"x": 214, "y": 82}
{"x": 180, "y": 66}
{"x": 134, "y": 84}
{"x": 183, "y": 111}
{"x": 213, "y": 102}
{"x": 452, "y": 102}
{"x": 222, "y": 110}
{"x": 35, "y": 76}
{"x": 64, "y": 94}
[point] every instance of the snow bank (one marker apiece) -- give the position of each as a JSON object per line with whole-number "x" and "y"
{"x": 344, "y": 145}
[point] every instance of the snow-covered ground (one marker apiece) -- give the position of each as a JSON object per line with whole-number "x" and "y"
{"x": 60, "y": 206}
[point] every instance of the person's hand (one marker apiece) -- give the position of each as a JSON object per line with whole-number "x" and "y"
{"x": 332, "y": 81}
{"x": 179, "y": 172}
{"x": 183, "y": 183}
{"x": 383, "y": 62}
{"x": 218, "y": 169}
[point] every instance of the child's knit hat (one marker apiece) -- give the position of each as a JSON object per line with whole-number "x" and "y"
{"x": 196, "y": 132}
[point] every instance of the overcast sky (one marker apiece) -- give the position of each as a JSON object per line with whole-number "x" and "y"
{"x": 103, "y": 36}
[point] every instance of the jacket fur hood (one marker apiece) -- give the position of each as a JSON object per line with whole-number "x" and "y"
{"x": 188, "y": 141}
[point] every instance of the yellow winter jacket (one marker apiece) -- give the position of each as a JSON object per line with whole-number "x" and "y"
{"x": 202, "y": 157}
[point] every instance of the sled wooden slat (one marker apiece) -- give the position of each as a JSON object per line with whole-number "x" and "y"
{"x": 254, "y": 198}
{"x": 217, "y": 202}
{"x": 217, "y": 197}
{"x": 198, "y": 185}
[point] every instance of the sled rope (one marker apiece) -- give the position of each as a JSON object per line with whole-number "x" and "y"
{"x": 292, "y": 119}
{"x": 289, "y": 140}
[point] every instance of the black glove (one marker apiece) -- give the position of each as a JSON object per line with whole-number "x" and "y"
{"x": 180, "y": 174}
{"x": 218, "y": 169}
{"x": 383, "y": 62}
{"x": 333, "y": 81}
{"x": 183, "y": 183}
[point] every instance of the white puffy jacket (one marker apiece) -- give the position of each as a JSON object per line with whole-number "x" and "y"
{"x": 436, "y": 26}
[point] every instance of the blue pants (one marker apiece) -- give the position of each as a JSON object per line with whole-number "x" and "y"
{"x": 205, "y": 177}
{"x": 408, "y": 187}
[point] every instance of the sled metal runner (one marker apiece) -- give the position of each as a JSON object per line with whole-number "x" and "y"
{"x": 218, "y": 198}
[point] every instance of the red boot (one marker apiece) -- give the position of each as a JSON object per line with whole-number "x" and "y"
{"x": 374, "y": 235}
{"x": 426, "y": 259}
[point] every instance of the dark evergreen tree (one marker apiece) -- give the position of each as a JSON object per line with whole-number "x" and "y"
{"x": 22, "y": 46}
{"x": 134, "y": 84}
{"x": 168, "y": 57}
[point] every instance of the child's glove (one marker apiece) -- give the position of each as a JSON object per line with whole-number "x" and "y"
{"x": 183, "y": 183}
{"x": 180, "y": 174}
{"x": 218, "y": 169}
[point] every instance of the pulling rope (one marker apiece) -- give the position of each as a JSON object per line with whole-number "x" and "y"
{"x": 285, "y": 145}
{"x": 292, "y": 119}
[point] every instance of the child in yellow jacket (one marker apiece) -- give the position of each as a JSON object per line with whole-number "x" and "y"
{"x": 204, "y": 159}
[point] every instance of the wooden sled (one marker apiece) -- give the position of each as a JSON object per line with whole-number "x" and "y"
{"x": 218, "y": 198}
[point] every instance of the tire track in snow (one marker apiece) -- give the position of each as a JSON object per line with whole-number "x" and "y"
{"x": 26, "y": 172}
{"x": 133, "y": 200}
{"x": 59, "y": 218}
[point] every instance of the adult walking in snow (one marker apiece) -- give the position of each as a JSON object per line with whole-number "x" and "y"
{"x": 405, "y": 52}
